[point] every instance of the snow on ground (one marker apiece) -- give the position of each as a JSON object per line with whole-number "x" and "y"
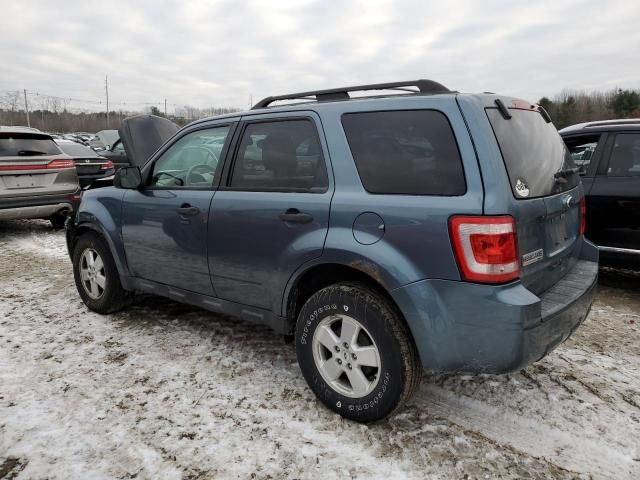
{"x": 164, "y": 390}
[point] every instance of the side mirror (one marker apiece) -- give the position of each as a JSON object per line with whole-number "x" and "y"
{"x": 128, "y": 177}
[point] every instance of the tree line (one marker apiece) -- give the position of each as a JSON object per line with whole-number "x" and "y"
{"x": 572, "y": 106}
{"x": 566, "y": 108}
{"x": 53, "y": 115}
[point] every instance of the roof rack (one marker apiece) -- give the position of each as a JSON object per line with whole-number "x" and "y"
{"x": 423, "y": 86}
{"x": 624, "y": 121}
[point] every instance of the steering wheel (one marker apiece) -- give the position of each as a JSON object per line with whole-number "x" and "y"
{"x": 199, "y": 170}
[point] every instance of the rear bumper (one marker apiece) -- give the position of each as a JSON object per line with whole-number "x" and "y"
{"x": 36, "y": 206}
{"x": 474, "y": 328}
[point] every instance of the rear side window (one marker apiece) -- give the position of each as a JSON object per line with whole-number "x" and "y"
{"x": 280, "y": 156}
{"x": 26, "y": 145}
{"x": 412, "y": 152}
{"x": 625, "y": 156}
{"x": 538, "y": 162}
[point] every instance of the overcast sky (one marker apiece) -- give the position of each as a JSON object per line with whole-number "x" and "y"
{"x": 218, "y": 53}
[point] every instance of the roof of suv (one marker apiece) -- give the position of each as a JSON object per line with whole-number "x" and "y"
{"x": 603, "y": 125}
{"x": 317, "y": 99}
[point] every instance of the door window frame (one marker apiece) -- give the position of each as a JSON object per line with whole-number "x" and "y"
{"x": 598, "y": 153}
{"x": 147, "y": 169}
{"x": 245, "y": 122}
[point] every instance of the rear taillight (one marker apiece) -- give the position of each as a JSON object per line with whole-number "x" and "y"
{"x": 486, "y": 248}
{"x": 583, "y": 216}
{"x": 60, "y": 163}
{"x": 108, "y": 165}
{"x": 57, "y": 164}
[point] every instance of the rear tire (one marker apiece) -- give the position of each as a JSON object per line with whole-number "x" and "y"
{"x": 96, "y": 275}
{"x": 58, "y": 220}
{"x": 356, "y": 352}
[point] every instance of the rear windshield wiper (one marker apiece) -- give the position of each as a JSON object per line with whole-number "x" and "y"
{"x": 561, "y": 175}
{"x": 26, "y": 153}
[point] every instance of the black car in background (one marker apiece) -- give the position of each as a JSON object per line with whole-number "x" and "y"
{"x": 608, "y": 156}
{"x": 89, "y": 165}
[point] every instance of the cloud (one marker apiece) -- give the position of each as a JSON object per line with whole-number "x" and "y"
{"x": 206, "y": 53}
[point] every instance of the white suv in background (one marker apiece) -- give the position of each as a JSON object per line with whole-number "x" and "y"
{"x": 37, "y": 180}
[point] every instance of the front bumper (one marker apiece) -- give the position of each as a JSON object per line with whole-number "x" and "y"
{"x": 36, "y": 206}
{"x": 468, "y": 327}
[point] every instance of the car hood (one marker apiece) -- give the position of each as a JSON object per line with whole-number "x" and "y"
{"x": 143, "y": 135}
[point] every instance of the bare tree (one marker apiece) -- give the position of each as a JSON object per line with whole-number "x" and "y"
{"x": 9, "y": 101}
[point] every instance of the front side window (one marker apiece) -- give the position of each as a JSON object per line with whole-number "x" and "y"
{"x": 582, "y": 150}
{"x": 405, "y": 152}
{"x": 193, "y": 161}
{"x": 280, "y": 156}
{"x": 625, "y": 156}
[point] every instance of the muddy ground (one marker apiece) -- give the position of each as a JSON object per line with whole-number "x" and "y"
{"x": 164, "y": 390}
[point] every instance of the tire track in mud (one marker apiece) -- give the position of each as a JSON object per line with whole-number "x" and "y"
{"x": 573, "y": 452}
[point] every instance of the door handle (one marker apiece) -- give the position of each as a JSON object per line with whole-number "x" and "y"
{"x": 296, "y": 216}
{"x": 186, "y": 209}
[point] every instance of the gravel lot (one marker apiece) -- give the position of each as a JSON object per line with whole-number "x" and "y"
{"x": 169, "y": 391}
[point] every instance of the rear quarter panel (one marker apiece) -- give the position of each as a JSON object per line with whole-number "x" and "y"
{"x": 415, "y": 243}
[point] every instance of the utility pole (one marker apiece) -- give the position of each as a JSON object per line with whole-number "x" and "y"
{"x": 165, "y": 108}
{"x": 26, "y": 107}
{"x": 106, "y": 90}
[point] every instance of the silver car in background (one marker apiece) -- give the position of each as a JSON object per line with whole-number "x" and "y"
{"x": 37, "y": 180}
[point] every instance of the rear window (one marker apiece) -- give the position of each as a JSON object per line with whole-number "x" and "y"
{"x": 538, "y": 162}
{"x": 77, "y": 150}
{"x": 26, "y": 145}
{"x": 405, "y": 152}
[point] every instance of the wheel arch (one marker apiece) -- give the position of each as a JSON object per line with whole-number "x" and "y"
{"x": 74, "y": 234}
{"x": 314, "y": 277}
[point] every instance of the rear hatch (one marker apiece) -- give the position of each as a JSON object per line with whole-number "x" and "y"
{"x": 545, "y": 191}
{"x": 32, "y": 164}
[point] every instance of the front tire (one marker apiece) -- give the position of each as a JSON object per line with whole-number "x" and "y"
{"x": 356, "y": 352}
{"x": 96, "y": 275}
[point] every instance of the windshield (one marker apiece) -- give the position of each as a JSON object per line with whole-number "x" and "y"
{"x": 26, "y": 144}
{"x": 536, "y": 158}
{"x": 77, "y": 150}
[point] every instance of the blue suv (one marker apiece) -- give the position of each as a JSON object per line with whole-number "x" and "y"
{"x": 389, "y": 233}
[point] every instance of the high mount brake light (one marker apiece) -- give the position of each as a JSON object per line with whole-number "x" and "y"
{"x": 486, "y": 248}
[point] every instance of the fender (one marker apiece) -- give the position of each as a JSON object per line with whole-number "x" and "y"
{"x": 100, "y": 210}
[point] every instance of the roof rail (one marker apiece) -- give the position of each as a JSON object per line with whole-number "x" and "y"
{"x": 623, "y": 121}
{"x": 423, "y": 86}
